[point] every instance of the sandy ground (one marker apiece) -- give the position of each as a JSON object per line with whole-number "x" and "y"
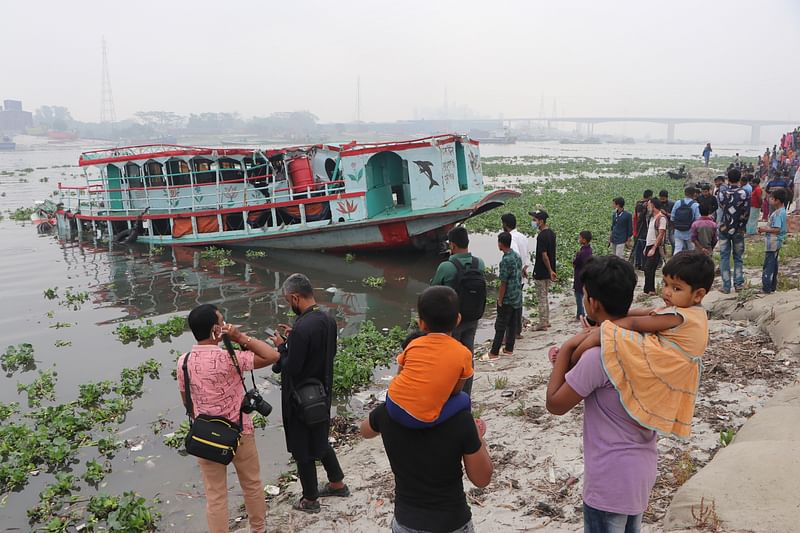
{"x": 538, "y": 457}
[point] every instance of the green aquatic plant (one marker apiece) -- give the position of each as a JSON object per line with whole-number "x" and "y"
{"x": 74, "y": 300}
{"x": 21, "y": 214}
{"x": 373, "y": 281}
{"x": 253, "y": 254}
{"x": 41, "y": 388}
{"x": 51, "y": 293}
{"x": 358, "y": 355}
{"x": 148, "y": 332}
{"x": 95, "y": 472}
{"x": 61, "y": 343}
{"x": 215, "y": 254}
{"x": 19, "y": 357}
{"x": 175, "y": 439}
{"x": 349, "y": 258}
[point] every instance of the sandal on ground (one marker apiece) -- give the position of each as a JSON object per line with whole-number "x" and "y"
{"x": 325, "y": 490}
{"x": 307, "y": 506}
{"x": 541, "y": 327}
{"x": 507, "y": 353}
{"x": 492, "y": 356}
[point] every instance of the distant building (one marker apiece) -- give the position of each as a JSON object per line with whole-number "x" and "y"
{"x": 13, "y": 118}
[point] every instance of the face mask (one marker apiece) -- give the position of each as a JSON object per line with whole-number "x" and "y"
{"x": 534, "y": 225}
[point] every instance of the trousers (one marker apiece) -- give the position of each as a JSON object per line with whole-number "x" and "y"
{"x": 307, "y": 472}
{"x": 215, "y": 481}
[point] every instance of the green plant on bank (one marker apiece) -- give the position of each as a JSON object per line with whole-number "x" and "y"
{"x": 726, "y": 436}
{"x": 51, "y": 436}
{"x": 21, "y": 214}
{"x": 374, "y": 282}
{"x": 156, "y": 250}
{"x": 754, "y": 252}
{"x": 574, "y": 204}
{"x": 519, "y": 410}
{"x": 500, "y": 382}
{"x": 349, "y": 258}
{"x": 253, "y": 254}
{"x": 74, "y": 300}
{"x": 19, "y": 357}
{"x": 358, "y": 355}
{"x": 51, "y": 293}
{"x": 147, "y": 333}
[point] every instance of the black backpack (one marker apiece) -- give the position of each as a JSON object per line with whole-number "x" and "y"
{"x": 682, "y": 221}
{"x": 470, "y": 285}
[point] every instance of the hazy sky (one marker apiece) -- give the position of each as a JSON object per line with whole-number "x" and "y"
{"x": 732, "y": 58}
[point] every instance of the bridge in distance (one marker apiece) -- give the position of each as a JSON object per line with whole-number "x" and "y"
{"x": 670, "y": 122}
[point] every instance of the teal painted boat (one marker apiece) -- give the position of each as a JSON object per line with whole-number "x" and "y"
{"x": 318, "y": 197}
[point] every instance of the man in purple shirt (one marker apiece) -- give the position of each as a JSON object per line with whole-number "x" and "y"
{"x": 620, "y": 456}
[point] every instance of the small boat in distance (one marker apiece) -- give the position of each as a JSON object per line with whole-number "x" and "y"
{"x": 7, "y": 144}
{"x": 336, "y": 197}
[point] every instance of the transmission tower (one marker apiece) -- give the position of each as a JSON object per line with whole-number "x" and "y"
{"x": 107, "y": 113}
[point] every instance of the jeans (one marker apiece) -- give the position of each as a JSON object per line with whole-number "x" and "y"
{"x": 650, "y": 267}
{"x": 597, "y": 521}
{"x": 505, "y": 326}
{"x": 307, "y": 472}
{"x": 726, "y": 243}
{"x": 465, "y": 334}
{"x": 454, "y": 405}
{"x": 769, "y": 277}
{"x": 215, "y": 481}
{"x": 682, "y": 244}
{"x": 400, "y": 528}
{"x": 579, "y": 303}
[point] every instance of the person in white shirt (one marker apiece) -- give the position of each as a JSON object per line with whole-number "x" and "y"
{"x": 519, "y": 244}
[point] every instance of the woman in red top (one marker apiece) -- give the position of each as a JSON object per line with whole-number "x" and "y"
{"x": 756, "y": 199}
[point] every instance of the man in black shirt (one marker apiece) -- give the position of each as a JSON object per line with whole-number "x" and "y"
{"x": 429, "y": 492}
{"x": 544, "y": 269}
{"x": 308, "y": 353}
{"x": 707, "y": 199}
{"x": 640, "y": 228}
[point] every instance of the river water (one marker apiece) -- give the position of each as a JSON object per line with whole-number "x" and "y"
{"x": 137, "y": 282}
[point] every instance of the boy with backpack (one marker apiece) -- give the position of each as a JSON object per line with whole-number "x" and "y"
{"x": 464, "y": 273}
{"x": 509, "y": 298}
{"x": 684, "y": 213}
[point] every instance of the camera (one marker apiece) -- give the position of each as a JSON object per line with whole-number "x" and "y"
{"x": 254, "y": 402}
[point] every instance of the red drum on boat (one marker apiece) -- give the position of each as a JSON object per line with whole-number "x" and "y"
{"x": 300, "y": 173}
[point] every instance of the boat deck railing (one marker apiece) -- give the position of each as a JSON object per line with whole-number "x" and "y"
{"x": 96, "y": 200}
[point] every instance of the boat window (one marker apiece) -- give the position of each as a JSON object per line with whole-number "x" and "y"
{"x": 203, "y": 173}
{"x": 155, "y": 171}
{"x": 330, "y": 166}
{"x": 133, "y": 173}
{"x": 230, "y": 170}
{"x": 178, "y": 172}
{"x": 255, "y": 168}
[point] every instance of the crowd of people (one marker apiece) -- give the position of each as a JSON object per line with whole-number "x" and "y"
{"x": 426, "y": 425}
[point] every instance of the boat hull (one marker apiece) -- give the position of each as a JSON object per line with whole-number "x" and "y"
{"x": 416, "y": 230}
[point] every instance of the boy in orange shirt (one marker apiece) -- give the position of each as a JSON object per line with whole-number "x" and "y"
{"x": 433, "y": 367}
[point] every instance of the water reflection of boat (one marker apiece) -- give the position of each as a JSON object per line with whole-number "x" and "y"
{"x": 176, "y": 279}
{"x": 318, "y": 197}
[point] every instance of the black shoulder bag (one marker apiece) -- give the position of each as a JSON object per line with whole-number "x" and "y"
{"x": 210, "y": 437}
{"x": 311, "y": 399}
